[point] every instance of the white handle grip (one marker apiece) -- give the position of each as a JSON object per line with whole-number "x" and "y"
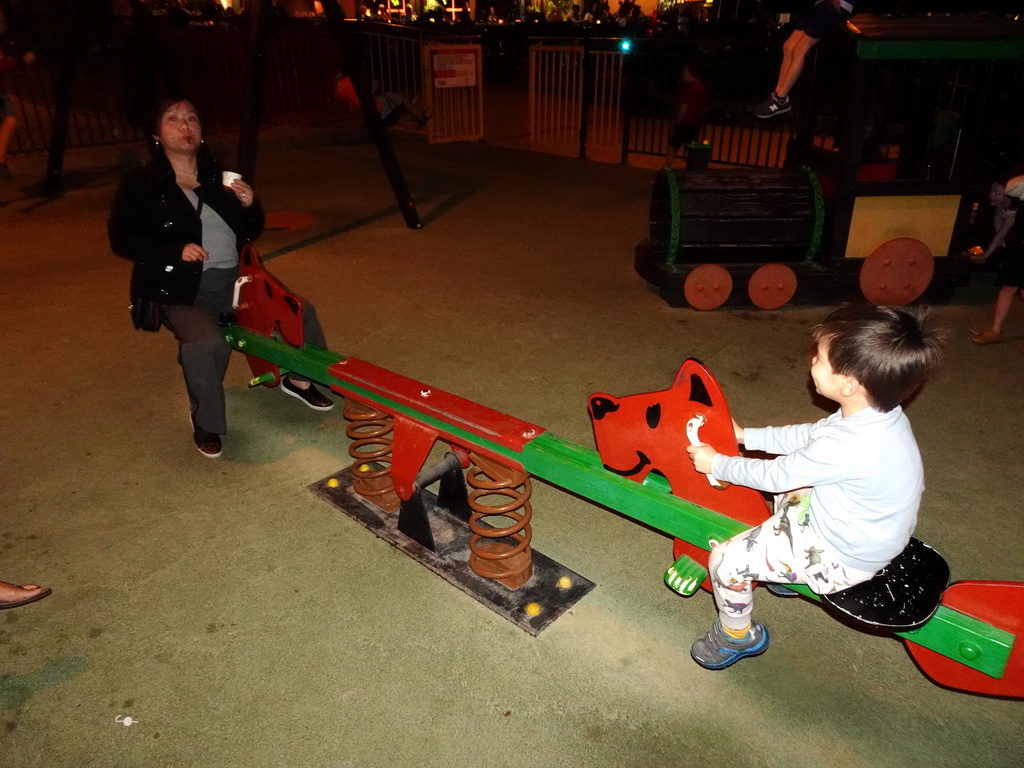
{"x": 238, "y": 289}
{"x": 692, "y": 434}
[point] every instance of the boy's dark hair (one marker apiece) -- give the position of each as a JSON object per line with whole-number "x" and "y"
{"x": 890, "y": 351}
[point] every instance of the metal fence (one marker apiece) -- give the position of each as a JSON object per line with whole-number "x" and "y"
{"x": 588, "y": 97}
{"x": 556, "y": 98}
{"x": 211, "y": 63}
{"x": 98, "y": 118}
{"x": 592, "y": 99}
{"x": 955, "y": 110}
{"x": 930, "y": 119}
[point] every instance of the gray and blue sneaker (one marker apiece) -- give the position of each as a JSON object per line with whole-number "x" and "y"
{"x": 773, "y": 106}
{"x": 716, "y": 650}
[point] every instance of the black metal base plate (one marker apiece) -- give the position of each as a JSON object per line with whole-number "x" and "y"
{"x": 451, "y": 560}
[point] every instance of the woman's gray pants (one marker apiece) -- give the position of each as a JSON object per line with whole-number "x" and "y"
{"x": 204, "y": 354}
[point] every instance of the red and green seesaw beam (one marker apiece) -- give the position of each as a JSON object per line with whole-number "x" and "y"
{"x": 969, "y": 644}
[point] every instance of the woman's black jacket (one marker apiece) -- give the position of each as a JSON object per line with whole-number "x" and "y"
{"x": 151, "y": 221}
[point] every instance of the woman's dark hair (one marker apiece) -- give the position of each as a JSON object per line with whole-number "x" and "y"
{"x": 890, "y": 351}
{"x": 156, "y": 118}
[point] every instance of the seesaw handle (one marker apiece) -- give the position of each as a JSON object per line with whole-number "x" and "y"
{"x": 692, "y": 429}
{"x": 236, "y": 297}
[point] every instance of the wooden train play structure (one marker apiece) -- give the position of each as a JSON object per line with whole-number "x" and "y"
{"x": 886, "y": 171}
{"x": 962, "y": 635}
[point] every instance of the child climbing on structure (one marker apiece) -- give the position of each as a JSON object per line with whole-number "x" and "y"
{"x": 819, "y": 22}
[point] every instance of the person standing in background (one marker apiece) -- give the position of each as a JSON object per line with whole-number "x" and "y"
{"x": 691, "y": 106}
{"x": 9, "y": 63}
{"x": 1007, "y": 251}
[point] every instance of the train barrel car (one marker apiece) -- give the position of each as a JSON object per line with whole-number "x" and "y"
{"x": 733, "y": 219}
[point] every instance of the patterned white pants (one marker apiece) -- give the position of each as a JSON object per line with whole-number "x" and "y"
{"x": 785, "y": 549}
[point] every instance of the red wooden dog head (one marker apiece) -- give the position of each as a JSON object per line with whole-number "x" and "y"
{"x": 645, "y": 433}
{"x": 266, "y": 306}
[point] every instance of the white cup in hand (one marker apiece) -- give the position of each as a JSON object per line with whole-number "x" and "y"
{"x": 229, "y": 177}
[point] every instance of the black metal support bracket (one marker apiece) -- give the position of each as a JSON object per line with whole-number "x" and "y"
{"x": 413, "y": 519}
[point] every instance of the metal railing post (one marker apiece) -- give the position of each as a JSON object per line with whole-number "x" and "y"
{"x": 361, "y": 84}
{"x": 588, "y": 87}
{"x": 74, "y": 23}
{"x": 627, "y": 105}
{"x": 248, "y": 139}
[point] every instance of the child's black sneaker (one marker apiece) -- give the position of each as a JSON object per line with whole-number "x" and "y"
{"x": 716, "y": 650}
{"x": 773, "y": 106}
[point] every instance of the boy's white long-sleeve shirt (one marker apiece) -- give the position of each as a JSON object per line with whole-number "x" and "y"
{"x": 864, "y": 472}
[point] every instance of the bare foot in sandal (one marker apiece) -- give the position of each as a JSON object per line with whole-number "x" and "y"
{"x": 12, "y": 595}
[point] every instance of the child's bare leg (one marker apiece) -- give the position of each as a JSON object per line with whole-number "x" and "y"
{"x": 1002, "y": 309}
{"x": 794, "y": 52}
{"x": 1020, "y": 295}
{"x": 1004, "y": 300}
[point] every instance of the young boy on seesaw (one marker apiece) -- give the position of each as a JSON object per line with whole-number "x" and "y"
{"x": 847, "y": 487}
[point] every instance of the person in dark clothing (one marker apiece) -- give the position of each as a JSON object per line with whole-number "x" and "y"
{"x": 183, "y": 229}
{"x": 691, "y": 106}
{"x": 10, "y": 62}
{"x": 1006, "y": 250}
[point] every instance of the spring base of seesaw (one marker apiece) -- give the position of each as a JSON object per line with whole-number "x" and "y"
{"x": 550, "y": 591}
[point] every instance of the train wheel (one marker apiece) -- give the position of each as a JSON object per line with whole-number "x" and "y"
{"x": 897, "y": 272}
{"x": 707, "y": 286}
{"x": 771, "y": 286}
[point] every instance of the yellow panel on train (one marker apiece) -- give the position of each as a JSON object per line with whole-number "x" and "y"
{"x": 928, "y": 218}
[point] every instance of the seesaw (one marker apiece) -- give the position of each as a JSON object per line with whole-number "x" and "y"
{"x": 962, "y": 636}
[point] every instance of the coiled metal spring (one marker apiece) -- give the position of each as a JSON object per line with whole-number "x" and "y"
{"x": 370, "y": 431}
{"x": 500, "y": 553}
